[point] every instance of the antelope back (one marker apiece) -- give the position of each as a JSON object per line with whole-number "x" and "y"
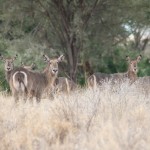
{"x": 63, "y": 84}
{"x": 98, "y": 78}
{"x": 29, "y": 67}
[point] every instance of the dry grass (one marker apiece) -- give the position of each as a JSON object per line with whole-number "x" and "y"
{"x": 107, "y": 118}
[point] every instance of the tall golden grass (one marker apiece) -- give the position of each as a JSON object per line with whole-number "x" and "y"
{"x": 108, "y": 118}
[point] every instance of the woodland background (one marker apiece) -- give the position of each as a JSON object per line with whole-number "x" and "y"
{"x": 96, "y": 32}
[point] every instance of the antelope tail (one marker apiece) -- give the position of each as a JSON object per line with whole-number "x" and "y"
{"x": 67, "y": 84}
{"x": 20, "y": 81}
{"x": 92, "y": 81}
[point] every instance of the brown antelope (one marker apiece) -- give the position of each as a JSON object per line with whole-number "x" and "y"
{"x": 39, "y": 83}
{"x": 131, "y": 74}
{"x": 62, "y": 84}
{"x": 28, "y": 67}
{"x": 15, "y": 79}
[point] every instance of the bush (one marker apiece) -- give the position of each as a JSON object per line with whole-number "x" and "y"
{"x": 3, "y": 83}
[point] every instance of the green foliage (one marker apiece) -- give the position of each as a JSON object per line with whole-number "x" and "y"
{"x": 144, "y": 67}
{"x": 3, "y": 83}
{"x": 96, "y": 31}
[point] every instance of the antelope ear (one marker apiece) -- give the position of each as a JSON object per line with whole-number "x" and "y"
{"x": 61, "y": 58}
{"x": 33, "y": 66}
{"x": 139, "y": 58}
{"x": 46, "y": 58}
{"x": 22, "y": 64}
{"x": 1, "y": 57}
{"x": 128, "y": 59}
{"x": 15, "y": 57}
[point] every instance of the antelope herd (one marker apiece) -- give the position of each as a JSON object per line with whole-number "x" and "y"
{"x": 131, "y": 74}
{"x": 27, "y": 83}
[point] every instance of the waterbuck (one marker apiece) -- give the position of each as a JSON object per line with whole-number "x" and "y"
{"x": 62, "y": 84}
{"x": 131, "y": 74}
{"x": 40, "y": 82}
{"x": 15, "y": 77}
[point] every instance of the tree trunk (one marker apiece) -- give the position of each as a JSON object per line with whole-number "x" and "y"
{"x": 73, "y": 53}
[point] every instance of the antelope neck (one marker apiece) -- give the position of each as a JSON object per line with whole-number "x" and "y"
{"x": 49, "y": 76}
{"x": 7, "y": 75}
{"x": 132, "y": 75}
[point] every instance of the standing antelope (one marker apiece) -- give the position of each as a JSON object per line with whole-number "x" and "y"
{"x": 62, "y": 84}
{"x": 39, "y": 83}
{"x": 131, "y": 74}
{"x": 15, "y": 78}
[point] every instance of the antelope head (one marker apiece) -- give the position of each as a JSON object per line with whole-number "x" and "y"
{"x": 133, "y": 64}
{"x": 53, "y": 64}
{"x": 9, "y": 62}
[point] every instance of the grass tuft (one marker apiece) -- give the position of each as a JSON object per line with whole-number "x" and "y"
{"x": 108, "y": 117}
